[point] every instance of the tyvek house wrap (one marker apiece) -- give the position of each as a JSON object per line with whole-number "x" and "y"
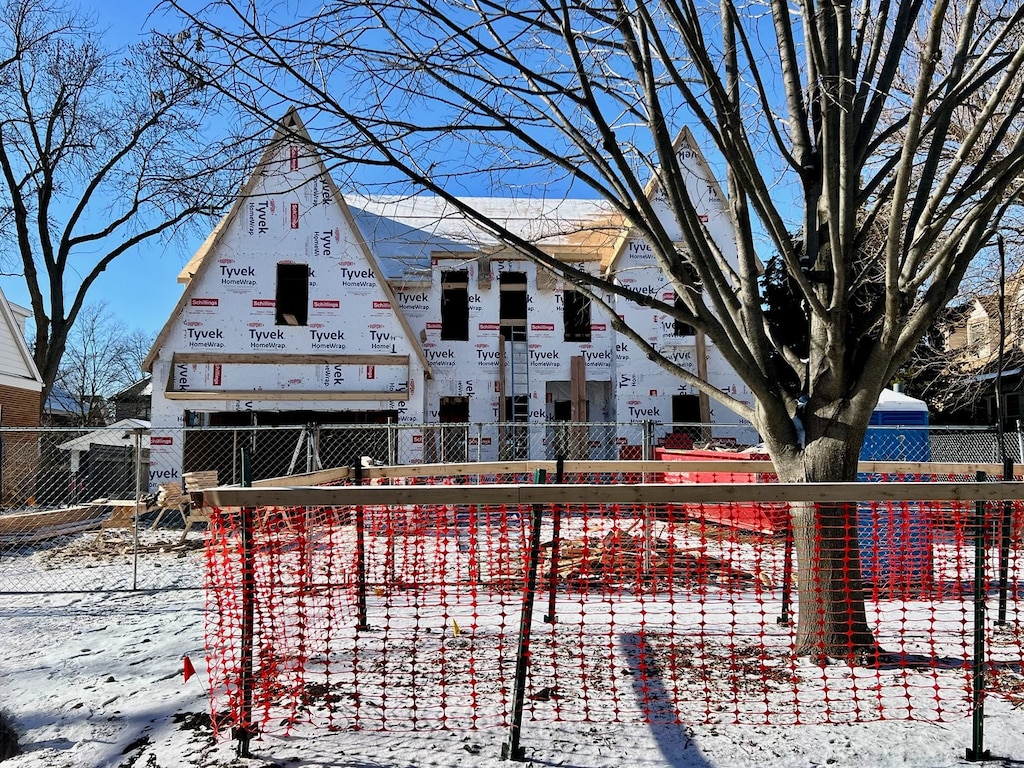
{"x": 375, "y": 289}
{"x": 224, "y": 348}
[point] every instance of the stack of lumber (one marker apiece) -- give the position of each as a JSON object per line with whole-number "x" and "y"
{"x": 197, "y": 481}
{"x": 197, "y": 512}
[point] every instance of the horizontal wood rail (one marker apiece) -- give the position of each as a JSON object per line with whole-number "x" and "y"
{"x": 269, "y": 358}
{"x": 640, "y": 493}
{"x": 282, "y": 394}
{"x": 724, "y": 466}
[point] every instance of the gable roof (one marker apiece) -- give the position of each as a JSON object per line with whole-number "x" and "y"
{"x": 141, "y": 388}
{"x": 291, "y": 129}
{"x": 989, "y": 304}
{"x": 700, "y": 165}
{"x": 118, "y": 433}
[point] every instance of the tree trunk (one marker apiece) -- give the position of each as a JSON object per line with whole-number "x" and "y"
{"x": 832, "y": 620}
{"x": 831, "y": 616}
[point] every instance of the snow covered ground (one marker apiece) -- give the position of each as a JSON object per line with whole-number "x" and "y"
{"x": 95, "y": 679}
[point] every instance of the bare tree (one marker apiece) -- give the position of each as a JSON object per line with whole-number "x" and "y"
{"x": 102, "y": 356}
{"x": 101, "y": 151}
{"x": 797, "y": 109}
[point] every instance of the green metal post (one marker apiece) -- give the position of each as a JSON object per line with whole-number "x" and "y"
{"x": 511, "y": 750}
{"x": 246, "y": 729}
{"x": 977, "y": 749}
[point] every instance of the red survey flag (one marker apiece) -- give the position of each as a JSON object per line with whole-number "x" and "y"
{"x": 189, "y": 669}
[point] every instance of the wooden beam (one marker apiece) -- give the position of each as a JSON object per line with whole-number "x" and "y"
{"x": 571, "y": 467}
{"x": 641, "y": 493}
{"x": 724, "y": 467}
{"x": 721, "y": 467}
{"x": 282, "y": 394}
{"x": 579, "y": 433}
{"x": 502, "y": 372}
{"x": 577, "y": 388}
{"x": 701, "y": 353}
{"x": 264, "y": 358}
{"x": 319, "y": 477}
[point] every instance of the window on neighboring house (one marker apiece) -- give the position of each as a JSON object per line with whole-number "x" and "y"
{"x": 977, "y": 333}
{"x": 576, "y": 316}
{"x": 1012, "y": 409}
{"x": 291, "y": 300}
{"x": 512, "y": 305}
{"x": 679, "y": 328}
{"x": 455, "y": 305}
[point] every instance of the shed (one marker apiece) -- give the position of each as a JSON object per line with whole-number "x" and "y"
{"x": 102, "y": 462}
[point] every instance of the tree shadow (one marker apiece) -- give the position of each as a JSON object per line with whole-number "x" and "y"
{"x": 661, "y": 713}
{"x": 888, "y": 660}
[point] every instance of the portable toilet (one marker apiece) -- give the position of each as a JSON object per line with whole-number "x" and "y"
{"x": 895, "y": 539}
{"x": 886, "y": 441}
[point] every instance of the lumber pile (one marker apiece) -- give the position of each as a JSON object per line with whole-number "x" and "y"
{"x": 198, "y": 481}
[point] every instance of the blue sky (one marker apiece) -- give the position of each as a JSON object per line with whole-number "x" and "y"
{"x": 140, "y": 287}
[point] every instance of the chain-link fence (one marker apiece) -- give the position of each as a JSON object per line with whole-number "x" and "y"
{"x": 115, "y": 496}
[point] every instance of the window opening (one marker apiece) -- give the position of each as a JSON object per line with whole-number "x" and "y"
{"x": 455, "y": 305}
{"x": 680, "y": 328}
{"x": 576, "y": 316}
{"x": 512, "y": 305}
{"x": 291, "y": 302}
{"x": 686, "y": 409}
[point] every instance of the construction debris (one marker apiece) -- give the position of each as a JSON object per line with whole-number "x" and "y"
{"x": 621, "y": 555}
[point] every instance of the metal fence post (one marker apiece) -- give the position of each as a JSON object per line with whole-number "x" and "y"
{"x": 787, "y": 573}
{"x": 511, "y": 750}
{"x": 1005, "y": 532}
{"x": 359, "y": 519}
{"x": 648, "y": 440}
{"x": 556, "y": 524}
{"x": 246, "y": 729}
{"x": 313, "y": 448}
{"x": 393, "y": 434}
{"x": 138, "y": 509}
{"x": 977, "y": 751}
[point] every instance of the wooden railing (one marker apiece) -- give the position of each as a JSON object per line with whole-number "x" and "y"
{"x": 314, "y": 489}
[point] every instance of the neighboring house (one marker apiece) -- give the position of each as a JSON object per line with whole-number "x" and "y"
{"x": 64, "y": 409}
{"x": 134, "y": 401}
{"x": 976, "y": 363}
{"x": 302, "y": 306}
{"x": 21, "y": 386}
{"x": 977, "y": 341}
{"x": 104, "y": 462}
{"x": 21, "y": 389}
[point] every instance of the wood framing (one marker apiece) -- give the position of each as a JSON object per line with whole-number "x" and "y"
{"x": 641, "y": 493}
{"x": 284, "y": 394}
{"x": 259, "y": 358}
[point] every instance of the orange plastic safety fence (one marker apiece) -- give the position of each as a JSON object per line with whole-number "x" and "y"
{"x": 655, "y": 613}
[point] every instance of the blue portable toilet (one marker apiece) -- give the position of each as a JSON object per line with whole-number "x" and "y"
{"x": 895, "y": 539}
{"x": 889, "y": 443}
